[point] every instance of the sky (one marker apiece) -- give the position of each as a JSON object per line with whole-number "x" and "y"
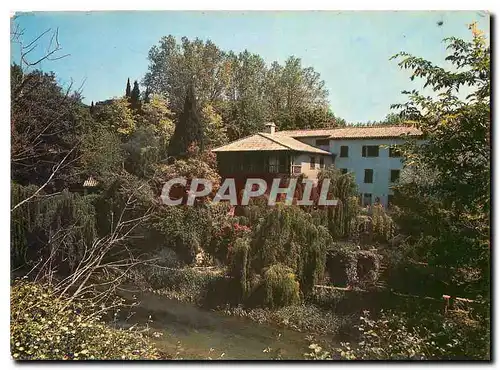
{"x": 350, "y": 50}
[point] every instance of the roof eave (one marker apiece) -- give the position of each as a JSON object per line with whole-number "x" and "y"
{"x": 375, "y": 137}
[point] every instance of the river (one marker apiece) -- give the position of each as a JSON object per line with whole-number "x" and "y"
{"x": 196, "y": 333}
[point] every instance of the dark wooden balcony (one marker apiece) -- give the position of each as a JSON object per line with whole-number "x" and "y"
{"x": 258, "y": 163}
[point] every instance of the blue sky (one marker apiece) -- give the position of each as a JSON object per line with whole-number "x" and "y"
{"x": 350, "y": 50}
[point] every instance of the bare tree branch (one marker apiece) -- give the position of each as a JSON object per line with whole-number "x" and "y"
{"x": 46, "y": 182}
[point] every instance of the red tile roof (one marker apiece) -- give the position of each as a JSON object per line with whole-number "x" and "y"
{"x": 353, "y": 132}
{"x": 269, "y": 142}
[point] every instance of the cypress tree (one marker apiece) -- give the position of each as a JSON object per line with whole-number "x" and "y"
{"x": 135, "y": 96}
{"x": 188, "y": 129}
{"x": 147, "y": 94}
{"x": 127, "y": 90}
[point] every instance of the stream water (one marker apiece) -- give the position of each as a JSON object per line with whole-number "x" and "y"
{"x": 195, "y": 333}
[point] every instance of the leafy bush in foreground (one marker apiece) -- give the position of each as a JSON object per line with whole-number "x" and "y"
{"x": 392, "y": 336}
{"x": 45, "y": 327}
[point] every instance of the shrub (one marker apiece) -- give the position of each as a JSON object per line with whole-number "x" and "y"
{"x": 186, "y": 284}
{"x": 395, "y": 337}
{"x": 280, "y": 286}
{"x": 224, "y": 239}
{"x": 66, "y": 219}
{"x": 288, "y": 236}
{"x": 387, "y": 338}
{"x": 240, "y": 266}
{"x": 44, "y": 326}
{"x": 185, "y": 229}
{"x": 349, "y": 265}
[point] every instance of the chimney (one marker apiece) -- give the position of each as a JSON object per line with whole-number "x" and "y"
{"x": 270, "y": 128}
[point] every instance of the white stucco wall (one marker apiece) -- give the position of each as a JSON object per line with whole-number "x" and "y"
{"x": 304, "y": 160}
{"x": 356, "y": 164}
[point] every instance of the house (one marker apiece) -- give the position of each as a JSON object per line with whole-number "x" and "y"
{"x": 369, "y": 153}
{"x": 268, "y": 155}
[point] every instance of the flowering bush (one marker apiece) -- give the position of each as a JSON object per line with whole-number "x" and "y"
{"x": 224, "y": 238}
{"x": 45, "y": 327}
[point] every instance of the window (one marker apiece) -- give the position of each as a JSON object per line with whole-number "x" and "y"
{"x": 367, "y": 199}
{"x": 390, "y": 200}
{"x": 344, "y": 151}
{"x": 368, "y": 176}
{"x": 369, "y": 151}
{"x": 321, "y": 162}
{"x": 322, "y": 142}
{"x": 343, "y": 171}
{"x": 313, "y": 163}
{"x": 394, "y": 152}
{"x": 394, "y": 175}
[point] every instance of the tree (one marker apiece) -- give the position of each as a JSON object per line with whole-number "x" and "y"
{"x": 293, "y": 93}
{"x": 174, "y": 67}
{"x": 47, "y": 122}
{"x": 393, "y": 119}
{"x": 101, "y": 153}
{"x": 115, "y": 114}
{"x": 127, "y": 90}
{"x": 444, "y": 197}
{"x": 215, "y": 133}
{"x": 240, "y": 87}
{"x": 135, "y": 97}
{"x": 188, "y": 129}
{"x": 245, "y": 111}
{"x": 155, "y": 112}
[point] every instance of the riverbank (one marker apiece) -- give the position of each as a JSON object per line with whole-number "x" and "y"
{"x": 189, "y": 332}
{"x": 204, "y": 287}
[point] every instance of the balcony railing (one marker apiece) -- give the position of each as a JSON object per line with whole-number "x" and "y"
{"x": 256, "y": 168}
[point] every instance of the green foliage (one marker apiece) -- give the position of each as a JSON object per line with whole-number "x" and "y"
{"x": 102, "y": 152}
{"x": 341, "y": 219}
{"x": 44, "y": 326}
{"x": 382, "y": 224}
{"x": 135, "y": 97}
{"x": 347, "y": 264}
{"x": 46, "y": 126}
{"x": 156, "y": 112}
{"x": 188, "y": 130}
{"x": 280, "y": 286}
{"x": 225, "y": 237}
{"x": 288, "y": 236}
{"x": 128, "y": 89}
{"x": 240, "y": 266}
{"x": 190, "y": 168}
{"x": 144, "y": 151}
{"x": 394, "y": 336}
{"x": 446, "y": 212}
{"x": 302, "y": 318}
{"x": 214, "y": 130}
{"x": 295, "y": 94}
{"x": 60, "y": 225}
{"x": 240, "y": 87}
{"x": 185, "y": 229}
{"x": 115, "y": 115}
{"x": 387, "y": 338}
{"x": 184, "y": 284}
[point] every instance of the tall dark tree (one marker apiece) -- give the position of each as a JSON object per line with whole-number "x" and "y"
{"x": 188, "y": 130}
{"x": 135, "y": 96}
{"x": 147, "y": 95}
{"x": 127, "y": 90}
